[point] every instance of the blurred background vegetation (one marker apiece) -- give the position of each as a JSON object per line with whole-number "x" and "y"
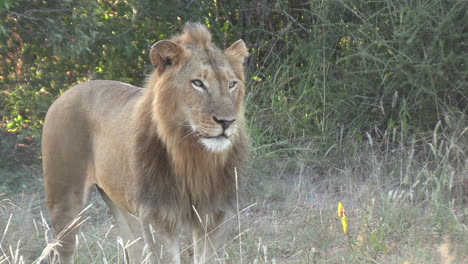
{"x": 322, "y": 74}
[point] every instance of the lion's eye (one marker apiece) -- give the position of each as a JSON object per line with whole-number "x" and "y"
{"x": 232, "y": 85}
{"x": 197, "y": 84}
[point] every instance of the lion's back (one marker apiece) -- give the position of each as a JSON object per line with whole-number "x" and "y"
{"x": 89, "y": 107}
{"x": 84, "y": 124}
{"x": 98, "y": 97}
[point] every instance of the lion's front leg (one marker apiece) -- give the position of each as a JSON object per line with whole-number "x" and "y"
{"x": 162, "y": 243}
{"x": 209, "y": 239}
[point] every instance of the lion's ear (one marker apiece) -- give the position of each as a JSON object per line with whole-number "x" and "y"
{"x": 237, "y": 52}
{"x": 166, "y": 53}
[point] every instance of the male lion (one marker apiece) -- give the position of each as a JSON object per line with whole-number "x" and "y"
{"x": 163, "y": 158}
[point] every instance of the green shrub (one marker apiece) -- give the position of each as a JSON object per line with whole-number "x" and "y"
{"x": 326, "y": 72}
{"x": 390, "y": 69}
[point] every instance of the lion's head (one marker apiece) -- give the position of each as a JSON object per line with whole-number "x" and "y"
{"x": 199, "y": 89}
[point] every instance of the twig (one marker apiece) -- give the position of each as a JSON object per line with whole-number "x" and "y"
{"x": 48, "y": 10}
{"x": 292, "y": 19}
{"x": 120, "y": 34}
{"x": 25, "y": 16}
{"x": 238, "y": 216}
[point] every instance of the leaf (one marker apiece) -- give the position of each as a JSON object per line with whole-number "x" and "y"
{"x": 10, "y": 125}
{"x": 257, "y": 79}
{"x": 342, "y": 216}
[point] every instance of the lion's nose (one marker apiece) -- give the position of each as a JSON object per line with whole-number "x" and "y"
{"x": 223, "y": 122}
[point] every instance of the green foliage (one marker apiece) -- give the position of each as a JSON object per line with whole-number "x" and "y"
{"x": 326, "y": 72}
{"x": 393, "y": 70}
{"x": 48, "y": 46}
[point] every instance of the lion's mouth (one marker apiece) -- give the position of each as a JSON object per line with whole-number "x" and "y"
{"x": 216, "y": 137}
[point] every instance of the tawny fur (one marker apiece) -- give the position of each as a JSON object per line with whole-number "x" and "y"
{"x": 138, "y": 147}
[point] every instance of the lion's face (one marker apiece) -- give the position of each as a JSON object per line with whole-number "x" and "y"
{"x": 209, "y": 89}
{"x": 211, "y": 96}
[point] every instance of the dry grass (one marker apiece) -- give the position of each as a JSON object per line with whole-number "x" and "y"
{"x": 404, "y": 205}
{"x": 288, "y": 215}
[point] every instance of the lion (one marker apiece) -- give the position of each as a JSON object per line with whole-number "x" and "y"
{"x": 163, "y": 157}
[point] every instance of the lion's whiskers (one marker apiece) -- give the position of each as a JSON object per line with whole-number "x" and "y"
{"x": 188, "y": 134}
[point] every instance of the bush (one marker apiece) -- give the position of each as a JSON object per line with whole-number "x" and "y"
{"x": 324, "y": 72}
{"x": 391, "y": 70}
